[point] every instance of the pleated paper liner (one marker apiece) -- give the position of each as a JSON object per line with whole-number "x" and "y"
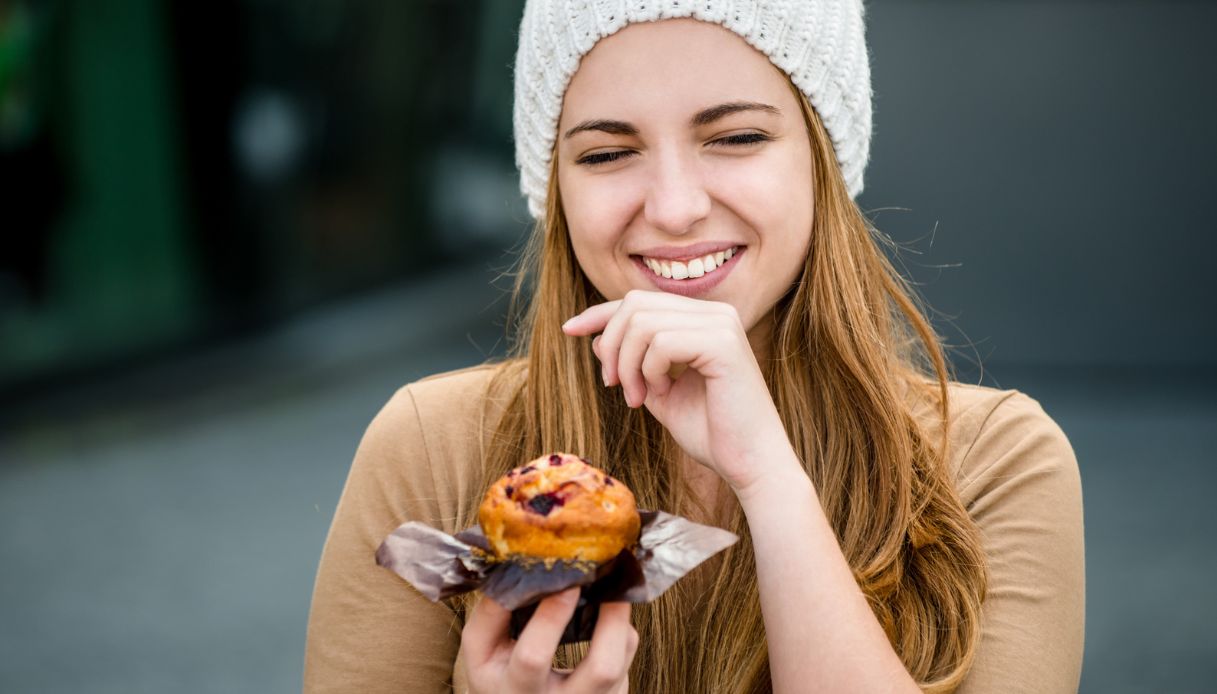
{"x": 441, "y": 566}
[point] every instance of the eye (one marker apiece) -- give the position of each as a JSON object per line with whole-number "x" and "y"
{"x": 603, "y": 157}
{"x": 743, "y": 139}
{"x": 740, "y": 140}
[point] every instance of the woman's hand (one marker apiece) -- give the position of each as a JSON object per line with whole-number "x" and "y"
{"x": 719, "y": 410}
{"x": 496, "y": 663}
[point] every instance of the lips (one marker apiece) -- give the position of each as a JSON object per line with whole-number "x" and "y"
{"x": 694, "y": 268}
{"x": 689, "y": 272}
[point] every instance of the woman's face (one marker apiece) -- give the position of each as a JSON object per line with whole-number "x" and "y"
{"x": 684, "y": 166}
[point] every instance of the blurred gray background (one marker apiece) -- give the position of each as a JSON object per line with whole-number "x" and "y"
{"x": 233, "y": 229}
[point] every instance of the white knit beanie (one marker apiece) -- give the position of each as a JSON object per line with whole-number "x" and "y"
{"x": 821, "y": 44}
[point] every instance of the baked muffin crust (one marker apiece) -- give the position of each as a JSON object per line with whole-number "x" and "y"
{"x": 559, "y": 507}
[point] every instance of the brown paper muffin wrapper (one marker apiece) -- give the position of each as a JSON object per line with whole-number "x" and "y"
{"x": 441, "y": 566}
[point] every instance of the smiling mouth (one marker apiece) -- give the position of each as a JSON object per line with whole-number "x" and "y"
{"x": 689, "y": 269}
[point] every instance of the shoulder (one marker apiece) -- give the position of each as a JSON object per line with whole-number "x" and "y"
{"x": 455, "y": 398}
{"x": 451, "y": 395}
{"x": 997, "y": 435}
{"x": 446, "y": 401}
{"x": 428, "y": 442}
{"x": 456, "y": 409}
{"x": 1018, "y": 478}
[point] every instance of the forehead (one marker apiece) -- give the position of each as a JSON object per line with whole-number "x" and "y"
{"x": 670, "y": 68}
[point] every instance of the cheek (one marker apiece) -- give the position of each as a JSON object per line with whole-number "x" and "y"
{"x": 595, "y": 223}
{"x": 592, "y": 234}
{"x": 597, "y": 214}
{"x": 595, "y": 209}
{"x": 774, "y": 196}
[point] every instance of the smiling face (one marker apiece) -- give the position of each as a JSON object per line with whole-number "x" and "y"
{"x": 684, "y": 166}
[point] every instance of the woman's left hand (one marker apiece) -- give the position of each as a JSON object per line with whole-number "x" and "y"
{"x": 719, "y": 410}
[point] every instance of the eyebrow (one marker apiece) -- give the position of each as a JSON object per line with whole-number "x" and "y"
{"x": 701, "y": 118}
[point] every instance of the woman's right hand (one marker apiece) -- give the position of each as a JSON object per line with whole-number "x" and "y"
{"x": 494, "y": 662}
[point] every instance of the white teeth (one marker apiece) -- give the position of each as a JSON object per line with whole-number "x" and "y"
{"x": 698, "y": 267}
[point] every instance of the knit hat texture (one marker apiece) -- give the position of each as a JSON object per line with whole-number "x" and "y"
{"x": 821, "y": 44}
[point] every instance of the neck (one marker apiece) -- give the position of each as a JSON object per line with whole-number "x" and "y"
{"x": 760, "y": 337}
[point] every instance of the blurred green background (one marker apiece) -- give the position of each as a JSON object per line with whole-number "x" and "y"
{"x": 229, "y": 230}
{"x": 177, "y": 172}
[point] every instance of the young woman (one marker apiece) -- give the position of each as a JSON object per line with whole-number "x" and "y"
{"x": 712, "y": 321}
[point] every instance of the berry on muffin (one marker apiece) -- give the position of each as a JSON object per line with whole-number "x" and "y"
{"x": 559, "y": 507}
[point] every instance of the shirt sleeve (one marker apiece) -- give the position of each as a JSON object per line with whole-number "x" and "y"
{"x": 369, "y": 631}
{"x": 1019, "y": 480}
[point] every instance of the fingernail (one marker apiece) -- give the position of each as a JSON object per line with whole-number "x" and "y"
{"x": 568, "y": 322}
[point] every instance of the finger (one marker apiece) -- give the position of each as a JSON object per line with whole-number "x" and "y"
{"x": 704, "y": 350}
{"x": 596, "y": 351}
{"x": 608, "y": 658}
{"x": 631, "y": 648}
{"x": 635, "y": 301}
{"x": 591, "y": 320}
{"x": 636, "y": 336}
{"x": 533, "y": 655}
{"x": 657, "y": 368}
{"x": 485, "y": 631}
{"x": 636, "y": 342}
{"x": 594, "y": 318}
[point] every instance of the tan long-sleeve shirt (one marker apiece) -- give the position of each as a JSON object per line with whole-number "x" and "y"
{"x": 370, "y": 632}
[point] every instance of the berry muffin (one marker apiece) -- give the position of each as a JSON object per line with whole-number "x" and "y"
{"x": 559, "y": 507}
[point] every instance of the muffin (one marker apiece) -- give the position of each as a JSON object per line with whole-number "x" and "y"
{"x": 559, "y": 507}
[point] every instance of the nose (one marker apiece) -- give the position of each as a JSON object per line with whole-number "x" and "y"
{"x": 677, "y": 198}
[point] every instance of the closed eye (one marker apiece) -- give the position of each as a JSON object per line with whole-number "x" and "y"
{"x": 603, "y": 157}
{"x": 741, "y": 140}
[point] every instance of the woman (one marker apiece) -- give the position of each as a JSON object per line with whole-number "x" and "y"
{"x": 712, "y": 322}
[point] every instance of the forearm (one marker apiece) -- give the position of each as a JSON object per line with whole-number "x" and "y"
{"x": 821, "y": 633}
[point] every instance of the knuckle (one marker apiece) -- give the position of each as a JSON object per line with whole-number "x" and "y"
{"x": 652, "y": 367}
{"x": 604, "y": 672}
{"x": 472, "y": 628}
{"x": 630, "y": 322}
{"x": 639, "y": 319}
{"x": 479, "y": 682}
{"x": 662, "y": 340}
{"x": 644, "y": 318}
{"x": 531, "y": 662}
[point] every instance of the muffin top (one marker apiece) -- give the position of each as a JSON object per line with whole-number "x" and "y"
{"x": 559, "y": 507}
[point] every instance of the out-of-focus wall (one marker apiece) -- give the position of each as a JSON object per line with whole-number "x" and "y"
{"x": 94, "y": 254}
{"x": 1061, "y": 158}
{"x": 176, "y": 174}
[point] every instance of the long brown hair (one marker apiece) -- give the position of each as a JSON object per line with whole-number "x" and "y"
{"x": 852, "y": 362}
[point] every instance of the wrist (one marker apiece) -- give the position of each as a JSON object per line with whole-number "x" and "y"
{"x": 779, "y": 476}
